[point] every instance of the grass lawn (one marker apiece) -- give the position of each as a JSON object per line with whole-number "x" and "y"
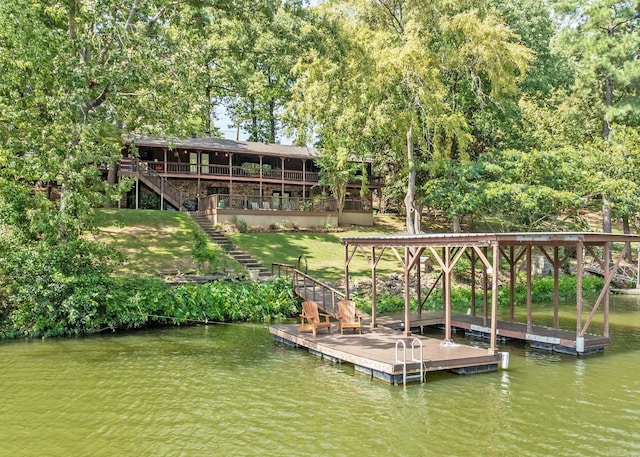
{"x": 158, "y": 241}
{"x": 325, "y": 252}
{"x": 155, "y": 241}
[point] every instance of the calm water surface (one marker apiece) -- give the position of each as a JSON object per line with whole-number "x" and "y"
{"x": 229, "y": 390}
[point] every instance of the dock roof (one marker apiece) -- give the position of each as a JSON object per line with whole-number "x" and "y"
{"x": 490, "y": 239}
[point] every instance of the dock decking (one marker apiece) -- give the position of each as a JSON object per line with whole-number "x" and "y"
{"x": 538, "y": 336}
{"x": 374, "y": 352}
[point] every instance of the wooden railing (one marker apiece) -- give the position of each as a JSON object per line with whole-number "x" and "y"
{"x": 204, "y": 170}
{"x": 155, "y": 181}
{"x": 309, "y": 288}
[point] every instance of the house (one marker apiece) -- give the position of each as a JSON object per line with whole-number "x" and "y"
{"x": 261, "y": 183}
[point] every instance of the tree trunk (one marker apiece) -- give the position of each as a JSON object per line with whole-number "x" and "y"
{"x": 272, "y": 121}
{"x": 606, "y": 215}
{"x": 417, "y": 218}
{"x": 457, "y": 224}
{"x": 626, "y": 251}
{"x": 411, "y": 186}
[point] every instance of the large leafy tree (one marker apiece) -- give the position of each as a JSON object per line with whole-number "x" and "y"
{"x": 430, "y": 68}
{"x": 602, "y": 38}
{"x": 252, "y": 50}
{"x": 75, "y": 76}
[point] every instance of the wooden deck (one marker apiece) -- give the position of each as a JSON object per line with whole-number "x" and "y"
{"x": 538, "y": 336}
{"x": 374, "y": 352}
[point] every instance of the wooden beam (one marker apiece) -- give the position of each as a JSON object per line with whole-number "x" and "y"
{"x": 609, "y": 273}
{"x": 579, "y": 273}
{"x": 407, "y": 320}
{"x": 529, "y": 299}
{"x": 494, "y": 300}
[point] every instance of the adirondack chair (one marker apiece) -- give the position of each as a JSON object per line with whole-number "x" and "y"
{"x": 347, "y": 316}
{"x": 311, "y": 315}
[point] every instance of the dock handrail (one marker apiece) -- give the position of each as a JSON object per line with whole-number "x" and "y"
{"x": 419, "y": 360}
{"x": 309, "y": 288}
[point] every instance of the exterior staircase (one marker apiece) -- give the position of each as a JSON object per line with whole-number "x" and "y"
{"x": 168, "y": 193}
{"x": 218, "y": 237}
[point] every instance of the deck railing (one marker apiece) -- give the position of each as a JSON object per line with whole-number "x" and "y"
{"x": 328, "y": 204}
{"x": 204, "y": 170}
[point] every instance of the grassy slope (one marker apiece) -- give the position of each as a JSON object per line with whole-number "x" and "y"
{"x": 325, "y": 252}
{"x": 153, "y": 241}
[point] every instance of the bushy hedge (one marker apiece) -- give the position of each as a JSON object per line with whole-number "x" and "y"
{"x": 93, "y": 304}
{"x": 231, "y": 301}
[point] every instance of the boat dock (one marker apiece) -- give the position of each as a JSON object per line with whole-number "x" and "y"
{"x": 384, "y": 354}
{"x": 538, "y": 336}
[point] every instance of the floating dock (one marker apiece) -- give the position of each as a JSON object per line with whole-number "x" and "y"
{"x": 538, "y": 336}
{"x": 384, "y": 354}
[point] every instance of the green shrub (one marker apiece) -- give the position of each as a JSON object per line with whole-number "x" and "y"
{"x": 541, "y": 292}
{"x": 233, "y": 301}
{"x": 241, "y": 224}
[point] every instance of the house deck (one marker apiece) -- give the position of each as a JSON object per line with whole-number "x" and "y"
{"x": 374, "y": 352}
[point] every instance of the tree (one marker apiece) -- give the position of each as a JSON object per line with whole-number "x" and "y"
{"x": 429, "y": 67}
{"x": 252, "y": 52}
{"x": 78, "y": 75}
{"x": 602, "y": 38}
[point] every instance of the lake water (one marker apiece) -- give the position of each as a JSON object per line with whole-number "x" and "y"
{"x": 230, "y": 390}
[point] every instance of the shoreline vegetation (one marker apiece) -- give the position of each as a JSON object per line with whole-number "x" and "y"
{"x": 90, "y": 286}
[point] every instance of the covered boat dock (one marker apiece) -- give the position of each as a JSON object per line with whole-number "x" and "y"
{"x": 493, "y": 255}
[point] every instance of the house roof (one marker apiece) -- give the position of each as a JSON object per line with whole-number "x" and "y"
{"x": 221, "y": 145}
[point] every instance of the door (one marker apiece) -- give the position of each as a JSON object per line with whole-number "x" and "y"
{"x": 193, "y": 162}
{"x": 204, "y": 162}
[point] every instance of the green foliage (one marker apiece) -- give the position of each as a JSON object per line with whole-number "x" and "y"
{"x": 541, "y": 292}
{"x": 225, "y": 301}
{"x": 385, "y": 304}
{"x": 78, "y": 304}
{"x": 202, "y": 251}
{"x": 241, "y": 224}
{"x": 54, "y": 289}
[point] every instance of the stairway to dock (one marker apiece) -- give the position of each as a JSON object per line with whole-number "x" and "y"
{"x": 218, "y": 237}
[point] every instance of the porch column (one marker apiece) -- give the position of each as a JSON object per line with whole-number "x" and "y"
{"x": 231, "y": 199}
{"x": 261, "y": 202}
{"x": 283, "y": 162}
{"x": 304, "y": 180}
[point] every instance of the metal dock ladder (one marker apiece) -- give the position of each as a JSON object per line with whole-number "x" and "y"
{"x": 413, "y": 358}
